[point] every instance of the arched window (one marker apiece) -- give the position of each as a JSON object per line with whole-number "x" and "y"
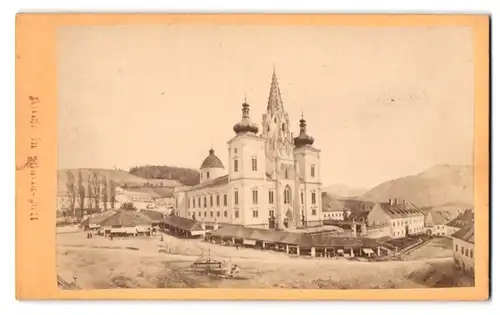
{"x": 287, "y": 195}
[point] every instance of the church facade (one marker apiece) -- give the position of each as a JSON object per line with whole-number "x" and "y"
{"x": 271, "y": 179}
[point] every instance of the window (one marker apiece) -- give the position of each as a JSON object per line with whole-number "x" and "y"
{"x": 255, "y": 197}
{"x": 235, "y": 165}
{"x": 283, "y": 127}
{"x": 254, "y": 164}
{"x": 189, "y": 205}
{"x": 301, "y": 197}
{"x": 466, "y": 252}
{"x": 236, "y": 197}
{"x": 236, "y": 214}
{"x": 211, "y": 200}
{"x": 271, "y": 213}
{"x": 287, "y": 195}
{"x": 199, "y": 214}
{"x": 208, "y": 175}
{"x": 471, "y": 254}
{"x": 205, "y": 201}
{"x": 218, "y": 213}
{"x": 255, "y": 213}
{"x": 313, "y": 211}
{"x": 199, "y": 202}
{"x": 313, "y": 170}
{"x": 456, "y": 248}
{"x": 225, "y": 214}
{"x": 211, "y": 213}
{"x": 194, "y": 202}
{"x": 205, "y": 214}
{"x": 313, "y": 197}
{"x": 462, "y": 249}
{"x": 225, "y": 199}
{"x": 393, "y": 224}
{"x": 271, "y": 197}
{"x": 235, "y": 150}
{"x": 286, "y": 173}
{"x": 218, "y": 200}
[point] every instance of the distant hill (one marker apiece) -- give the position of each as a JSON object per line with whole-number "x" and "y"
{"x": 120, "y": 177}
{"x": 343, "y": 191}
{"x": 439, "y": 185}
{"x": 186, "y": 176}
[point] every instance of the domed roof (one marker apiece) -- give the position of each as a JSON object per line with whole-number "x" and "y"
{"x": 245, "y": 125}
{"x": 211, "y": 161}
{"x": 303, "y": 139}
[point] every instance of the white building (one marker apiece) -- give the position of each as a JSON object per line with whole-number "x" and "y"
{"x": 463, "y": 249}
{"x": 272, "y": 179}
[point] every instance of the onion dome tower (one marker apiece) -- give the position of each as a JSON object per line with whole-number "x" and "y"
{"x": 211, "y": 167}
{"x": 245, "y": 125}
{"x": 303, "y": 138}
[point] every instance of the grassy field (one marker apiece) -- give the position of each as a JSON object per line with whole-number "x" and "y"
{"x": 100, "y": 263}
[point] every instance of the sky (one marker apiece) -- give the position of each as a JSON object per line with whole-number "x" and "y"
{"x": 381, "y": 102}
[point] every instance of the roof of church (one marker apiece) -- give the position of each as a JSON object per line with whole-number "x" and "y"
{"x": 275, "y": 102}
{"x": 212, "y": 161}
{"x": 219, "y": 181}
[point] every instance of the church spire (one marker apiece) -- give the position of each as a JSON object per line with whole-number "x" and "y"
{"x": 245, "y": 125}
{"x": 303, "y": 139}
{"x": 275, "y": 102}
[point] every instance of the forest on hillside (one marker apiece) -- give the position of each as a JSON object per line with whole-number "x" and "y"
{"x": 186, "y": 176}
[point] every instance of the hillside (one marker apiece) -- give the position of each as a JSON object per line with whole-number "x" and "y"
{"x": 186, "y": 176}
{"x": 343, "y": 191}
{"x": 121, "y": 178}
{"x": 439, "y": 185}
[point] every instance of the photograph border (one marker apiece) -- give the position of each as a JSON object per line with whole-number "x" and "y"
{"x": 36, "y": 154}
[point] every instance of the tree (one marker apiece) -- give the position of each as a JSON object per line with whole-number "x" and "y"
{"x": 90, "y": 192}
{"x": 105, "y": 195}
{"x": 71, "y": 188}
{"x": 112, "y": 193}
{"x": 81, "y": 193}
{"x": 96, "y": 189}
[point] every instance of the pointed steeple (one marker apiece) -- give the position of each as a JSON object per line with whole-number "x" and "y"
{"x": 275, "y": 102}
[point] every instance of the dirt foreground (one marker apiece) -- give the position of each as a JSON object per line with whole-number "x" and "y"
{"x": 148, "y": 262}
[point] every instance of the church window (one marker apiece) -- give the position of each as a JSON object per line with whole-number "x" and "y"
{"x": 287, "y": 195}
{"x": 235, "y": 150}
{"x": 199, "y": 214}
{"x": 225, "y": 199}
{"x": 286, "y": 173}
{"x": 271, "y": 197}
{"x": 283, "y": 127}
{"x": 313, "y": 171}
{"x": 268, "y": 128}
{"x": 235, "y": 165}
{"x": 254, "y": 164}
{"x": 189, "y": 203}
{"x": 236, "y": 214}
{"x": 236, "y": 201}
{"x": 205, "y": 214}
{"x": 255, "y": 213}
{"x": 205, "y": 201}
{"x": 211, "y": 213}
{"x": 271, "y": 213}
{"x": 313, "y": 211}
{"x": 199, "y": 202}
{"x": 217, "y": 199}
{"x": 225, "y": 213}
{"x": 255, "y": 196}
{"x": 302, "y": 197}
{"x": 275, "y": 119}
{"x": 313, "y": 197}
{"x": 211, "y": 200}
{"x": 218, "y": 213}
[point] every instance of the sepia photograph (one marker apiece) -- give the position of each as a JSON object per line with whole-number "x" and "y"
{"x": 265, "y": 157}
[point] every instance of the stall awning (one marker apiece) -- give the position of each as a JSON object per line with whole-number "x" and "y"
{"x": 141, "y": 229}
{"x": 368, "y": 251}
{"x": 248, "y": 242}
{"x": 340, "y": 250}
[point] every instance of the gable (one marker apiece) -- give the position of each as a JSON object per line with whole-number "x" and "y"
{"x": 378, "y": 214}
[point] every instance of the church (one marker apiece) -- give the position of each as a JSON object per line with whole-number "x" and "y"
{"x": 271, "y": 179}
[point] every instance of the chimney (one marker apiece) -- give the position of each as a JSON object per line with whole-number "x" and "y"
{"x": 395, "y": 201}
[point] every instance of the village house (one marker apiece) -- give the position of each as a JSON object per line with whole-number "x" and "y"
{"x": 462, "y": 220}
{"x": 463, "y": 248}
{"x": 394, "y": 219}
{"x": 435, "y": 223}
{"x": 333, "y": 209}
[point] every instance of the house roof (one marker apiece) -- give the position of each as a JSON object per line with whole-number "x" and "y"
{"x": 182, "y": 223}
{"x": 400, "y": 210}
{"x": 126, "y": 218}
{"x": 438, "y": 218}
{"x": 153, "y": 215}
{"x": 219, "y": 181}
{"x": 358, "y": 216}
{"x": 462, "y": 220}
{"x": 300, "y": 239}
{"x": 331, "y": 204}
{"x": 98, "y": 217}
{"x": 466, "y": 233}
